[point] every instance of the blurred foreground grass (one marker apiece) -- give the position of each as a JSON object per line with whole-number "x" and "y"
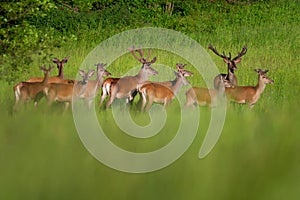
{"x": 256, "y": 157}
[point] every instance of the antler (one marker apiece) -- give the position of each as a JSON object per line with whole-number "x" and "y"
{"x": 139, "y": 50}
{"x": 149, "y": 54}
{"x": 243, "y": 52}
{"x": 100, "y": 65}
{"x": 131, "y": 49}
{"x": 217, "y": 53}
{"x": 260, "y": 71}
{"x": 180, "y": 66}
{"x": 141, "y": 59}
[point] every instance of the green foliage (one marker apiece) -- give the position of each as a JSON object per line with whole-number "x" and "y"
{"x": 20, "y": 40}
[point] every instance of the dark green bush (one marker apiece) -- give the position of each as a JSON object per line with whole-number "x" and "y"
{"x": 31, "y": 30}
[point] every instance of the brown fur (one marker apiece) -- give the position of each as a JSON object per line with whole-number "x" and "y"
{"x": 26, "y": 91}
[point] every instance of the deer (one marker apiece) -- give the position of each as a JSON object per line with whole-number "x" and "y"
{"x": 26, "y": 91}
{"x": 204, "y": 96}
{"x": 54, "y": 79}
{"x": 163, "y": 92}
{"x": 231, "y": 66}
{"x": 93, "y": 86}
{"x": 127, "y": 85}
{"x": 63, "y": 92}
{"x": 169, "y": 84}
{"x": 249, "y": 94}
{"x": 106, "y": 86}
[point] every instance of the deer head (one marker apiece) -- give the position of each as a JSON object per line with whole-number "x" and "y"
{"x": 85, "y": 76}
{"x": 146, "y": 69}
{"x": 101, "y": 71}
{"x": 263, "y": 77}
{"x": 45, "y": 70}
{"x": 180, "y": 66}
{"x": 62, "y": 62}
{"x": 227, "y": 59}
{"x": 181, "y": 75}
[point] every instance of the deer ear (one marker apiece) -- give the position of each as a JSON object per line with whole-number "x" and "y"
{"x": 226, "y": 61}
{"x": 153, "y": 60}
{"x": 237, "y": 61}
{"x": 258, "y": 70}
{"x": 66, "y": 59}
{"x": 55, "y": 60}
{"x": 81, "y": 73}
{"x": 91, "y": 73}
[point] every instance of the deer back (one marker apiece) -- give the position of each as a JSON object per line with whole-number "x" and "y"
{"x": 249, "y": 94}
{"x": 240, "y": 94}
{"x": 157, "y": 91}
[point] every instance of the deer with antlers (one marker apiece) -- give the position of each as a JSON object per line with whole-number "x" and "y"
{"x": 93, "y": 86}
{"x": 231, "y": 66}
{"x": 106, "y": 86}
{"x": 127, "y": 85}
{"x": 26, "y": 91}
{"x": 163, "y": 92}
{"x": 249, "y": 94}
{"x": 62, "y": 92}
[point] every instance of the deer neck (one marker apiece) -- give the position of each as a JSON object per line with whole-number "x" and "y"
{"x": 173, "y": 82}
{"x": 60, "y": 72}
{"x": 260, "y": 87}
{"x": 80, "y": 88}
{"x": 177, "y": 85}
{"x": 46, "y": 78}
{"x": 99, "y": 80}
{"x": 230, "y": 74}
{"x": 141, "y": 76}
{"x": 231, "y": 77}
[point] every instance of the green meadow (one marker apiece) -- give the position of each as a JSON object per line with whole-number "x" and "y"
{"x": 257, "y": 154}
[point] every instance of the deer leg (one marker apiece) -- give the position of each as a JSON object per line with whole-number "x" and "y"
{"x": 89, "y": 104}
{"x": 189, "y": 101}
{"x": 66, "y": 106}
{"x": 112, "y": 96}
{"x": 37, "y": 98}
{"x": 165, "y": 103}
{"x": 17, "y": 100}
{"x": 103, "y": 96}
{"x": 132, "y": 95}
{"x": 144, "y": 101}
{"x": 251, "y": 105}
{"x": 150, "y": 102}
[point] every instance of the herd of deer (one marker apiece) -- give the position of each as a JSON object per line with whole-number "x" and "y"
{"x": 56, "y": 88}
